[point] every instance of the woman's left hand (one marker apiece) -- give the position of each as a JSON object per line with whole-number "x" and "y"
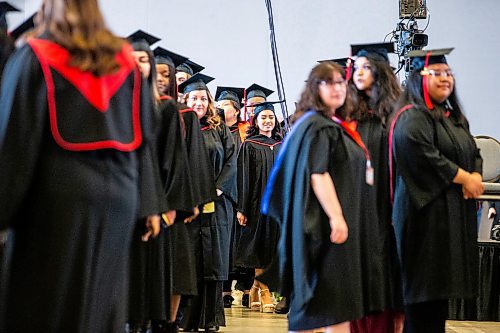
{"x": 153, "y": 227}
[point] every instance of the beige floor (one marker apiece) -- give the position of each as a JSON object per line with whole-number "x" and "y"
{"x": 241, "y": 320}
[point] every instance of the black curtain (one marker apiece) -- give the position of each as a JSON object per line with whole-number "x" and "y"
{"x": 487, "y": 306}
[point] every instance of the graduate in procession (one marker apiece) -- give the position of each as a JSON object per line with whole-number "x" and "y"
{"x": 211, "y": 231}
{"x": 258, "y": 237}
{"x": 373, "y": 90}
{"x": 437, "y": 173}
{"x": 75, "y": 202}
{"x": 322, "y": 165}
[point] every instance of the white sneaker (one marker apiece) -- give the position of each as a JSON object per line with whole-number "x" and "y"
{"x": 237, "y": 295}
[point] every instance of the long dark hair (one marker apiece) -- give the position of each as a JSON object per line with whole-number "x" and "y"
{"x": 253, "y": 129}
{"x": 79, "y": 27}
{"x": 310, "y": 99}
{"x": 152, "y": 78}
{"x": 172, "y": 83}
{"x": 385, "y": 93}
{"x": 413, "y": 94}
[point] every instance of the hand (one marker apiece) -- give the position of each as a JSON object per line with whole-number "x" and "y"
{"x": 219, "y": 192}
{"x": 196, "y": 212}
{"x": 242, "y": 219}
{"x": 152, "y": 226}
{"x": 339, "y": 230}
{"x": 492, "y": 212}
{"x": 169, "y": 217}
{"x": 473, "y": 186}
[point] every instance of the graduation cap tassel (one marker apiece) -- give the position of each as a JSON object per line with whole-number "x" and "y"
{"x": 277, "y": 68}
{"x": 245, "y": 105}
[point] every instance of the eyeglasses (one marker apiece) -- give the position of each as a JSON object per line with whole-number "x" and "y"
{"x": 331, "y": 83}
{"x": 437, "y": 73}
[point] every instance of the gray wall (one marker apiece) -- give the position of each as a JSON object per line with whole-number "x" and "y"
{"x": 231, "y": 38}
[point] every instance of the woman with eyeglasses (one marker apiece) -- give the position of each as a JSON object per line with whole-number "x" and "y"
{"x": 314, "y": 193}
{"x": 437, "y": 172}
{"x": 374, "y": 90}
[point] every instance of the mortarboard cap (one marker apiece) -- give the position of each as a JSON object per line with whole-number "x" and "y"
{"x": 196, "y": 82}
{"x": 264, "y": 106}
{"x": 377, "y": 50}
{"x": 190, "y": 67}
{"x": 5, "y": 8}
{"x": 23, "y": 27}
{"x": 423, "y": 58}
{"x": 340, "y": 61}
{"x": 258, "y": 91}
{"x": 142, "y": 40}
{"x": 164, "y": 56}
{"x": 229, "y": 93}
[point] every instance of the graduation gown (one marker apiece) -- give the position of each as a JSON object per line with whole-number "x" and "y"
{"x": 384, "y": 279}
{"x": 324, "y": 281}
{"x": 215, "y": 228}
{"x": 70, "y": 156}
{"x": 238, "y": 131}
{"x": 258, "y": 240}
{"x": 435, "y": 226}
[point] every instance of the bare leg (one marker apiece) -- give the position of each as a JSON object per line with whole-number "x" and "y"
{"x": 344, "y": 327}
{"x": 174, "y": 307}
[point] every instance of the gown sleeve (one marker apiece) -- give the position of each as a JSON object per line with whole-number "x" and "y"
{"x": 226, "y": 181}
{"x": 243, "y": 175}
{"x": 174, "y": 165}
{"x": 425, "y": 171}
{"x": 23, "y": 127}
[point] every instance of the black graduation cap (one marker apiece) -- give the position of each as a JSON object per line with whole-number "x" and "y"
{"x": 190, "y": 67}
{"x": 264, "y": 106}
{"x": 377, "y": 50}
{"x": 229, "y": 93}
{"x": 23, "y": 27}
{"x": 196, "y": 82}
{"x": 5, "y": 8}
{"x": 423, "y": 58}
{"x": 166, "y": 57}
{"x": 142, "y": 38}
{"x": 341, "y": 61}
{"x": 258, "y": 91}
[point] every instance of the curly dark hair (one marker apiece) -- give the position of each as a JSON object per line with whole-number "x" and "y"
{"x": 310, "y": 99}
{"x": 385, "y": 93}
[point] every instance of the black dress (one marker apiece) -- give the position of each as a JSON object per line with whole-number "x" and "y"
{"x": 70, "y": 155}
{"x": 325, "y": 281}
{"x": 435, "y": 226}
{"x": 258, "y": 240}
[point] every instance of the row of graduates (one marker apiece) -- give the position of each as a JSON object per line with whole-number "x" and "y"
{"x": 203, "y": 245}
{"x": 98, "y": 163}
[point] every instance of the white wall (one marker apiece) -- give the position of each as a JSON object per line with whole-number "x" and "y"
{"x": 231, "y": 38}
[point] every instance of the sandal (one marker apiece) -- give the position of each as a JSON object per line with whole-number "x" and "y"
{"x": 254, "y": 299}
{"x": 267, "y": 301}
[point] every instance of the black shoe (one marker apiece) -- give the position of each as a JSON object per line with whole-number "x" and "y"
{"x": 164, "y": 327}
{"x": 282, "y": 307}
{"x": 228, "y": 301}
{"x": 245, "y": 300}
{"x": 211, "y": 328}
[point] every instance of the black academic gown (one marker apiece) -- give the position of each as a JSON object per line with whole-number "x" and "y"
{"x": 258, "y": 240}
{"x": 384, "y": 291}
{"x": 324, "y": 281}
{"x": 435, "y": 226}
{"x": 70, "y": 190}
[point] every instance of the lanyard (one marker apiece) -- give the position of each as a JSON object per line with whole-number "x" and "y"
{"x": 357, "y": 138}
